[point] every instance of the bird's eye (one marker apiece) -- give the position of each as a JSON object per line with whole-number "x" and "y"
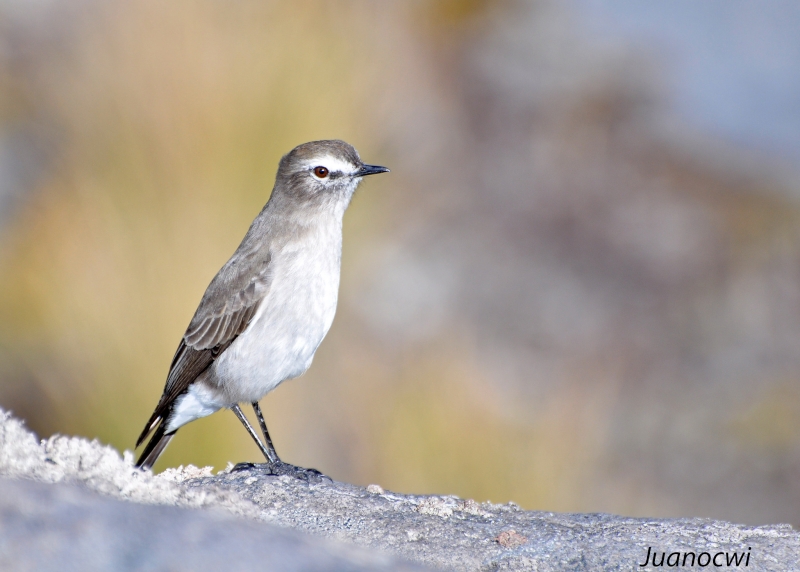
{"x": 321, "y": 172}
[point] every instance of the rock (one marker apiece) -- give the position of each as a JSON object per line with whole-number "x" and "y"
{"x": 102, "y": 469}
{"x": 510, "y": 539}
{"x": 46, "y": 527}
{"x": 450, "y": 533}
{"x": 442, "y": 532}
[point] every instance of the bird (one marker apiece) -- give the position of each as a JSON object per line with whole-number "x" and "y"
{"x": 267, "y": 310}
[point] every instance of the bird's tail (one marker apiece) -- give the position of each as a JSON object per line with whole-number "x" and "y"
{"x": 158, "y": 442}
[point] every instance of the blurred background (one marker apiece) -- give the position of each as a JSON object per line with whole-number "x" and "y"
{"x": 578, "y": 289}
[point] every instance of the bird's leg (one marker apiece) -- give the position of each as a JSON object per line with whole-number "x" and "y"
{"x": 272, "y": 467}
{"x": 273, "y": 456}
{"x": 238, "y": 411}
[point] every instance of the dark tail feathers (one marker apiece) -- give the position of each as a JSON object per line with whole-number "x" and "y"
{"x": 158, "y": 442}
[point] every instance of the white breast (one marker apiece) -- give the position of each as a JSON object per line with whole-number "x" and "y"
{"x": 292, "y": 320}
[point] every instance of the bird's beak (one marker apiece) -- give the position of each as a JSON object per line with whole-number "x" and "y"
{"x": 370, "y": 170}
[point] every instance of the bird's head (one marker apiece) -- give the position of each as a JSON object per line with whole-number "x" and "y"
{"x": 322, "y": 173}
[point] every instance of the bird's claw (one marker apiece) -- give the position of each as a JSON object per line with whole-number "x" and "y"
{"x": 279, "y": 468}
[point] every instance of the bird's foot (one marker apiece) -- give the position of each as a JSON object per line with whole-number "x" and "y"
{"x": 279, "y": 468}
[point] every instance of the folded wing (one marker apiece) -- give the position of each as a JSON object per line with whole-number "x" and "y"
{"x": 227, "y": 307}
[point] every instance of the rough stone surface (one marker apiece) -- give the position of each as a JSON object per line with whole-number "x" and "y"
{"x": 448, "y": 532}
{"x": 102, "y": 469}
{"x": 441, "y": 532}
{"x": 63, "y": 528}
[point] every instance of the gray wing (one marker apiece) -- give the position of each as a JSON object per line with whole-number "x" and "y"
{"x": 228, "y": 305}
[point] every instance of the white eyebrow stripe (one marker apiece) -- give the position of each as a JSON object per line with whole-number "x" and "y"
{"x": 332, "y": 164}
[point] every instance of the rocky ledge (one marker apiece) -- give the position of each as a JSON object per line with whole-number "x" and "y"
{"x": 252, "y": 518}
